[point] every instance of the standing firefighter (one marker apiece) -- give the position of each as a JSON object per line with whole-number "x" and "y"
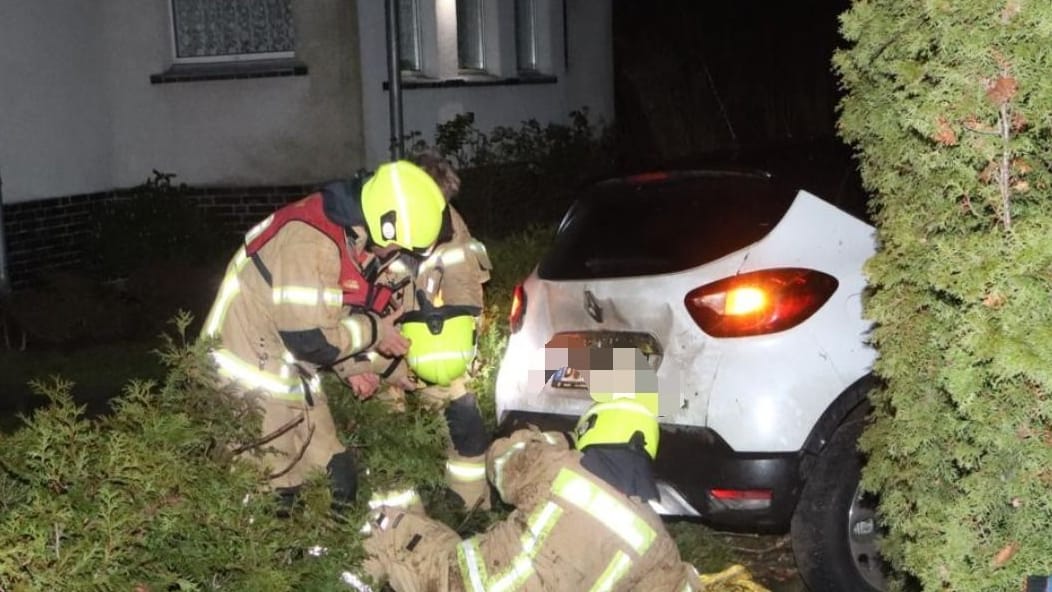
{"x": 300, "y": 296}
{"x": 444, "y": 299}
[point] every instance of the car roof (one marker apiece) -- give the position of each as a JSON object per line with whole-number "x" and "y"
{"x": 664, "y": 175}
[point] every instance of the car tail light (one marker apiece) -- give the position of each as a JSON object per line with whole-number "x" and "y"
{"x": 643, "y": 178}
{"x": 759, "y": 302}
{"x": 518, "y": 308}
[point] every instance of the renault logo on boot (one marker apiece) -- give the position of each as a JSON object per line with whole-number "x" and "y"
{"x": 594, "y": 310}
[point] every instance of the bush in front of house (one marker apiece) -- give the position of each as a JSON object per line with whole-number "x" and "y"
{"x": 947, "y": 107}
{"x": 517, "y": 177}
{"x": 151, "y": 224}
{"x": 148, "y": 498}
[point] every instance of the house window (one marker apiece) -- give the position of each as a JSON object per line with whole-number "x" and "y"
{"x": 470, "y": 35}
{"x": 409, "y": 35}
{"x": 526, "y": 35}
{"x": 225, "y": 30}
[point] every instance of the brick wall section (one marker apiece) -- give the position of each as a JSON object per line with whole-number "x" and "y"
{"x": 239, "y": 208}
{"x": 47, "y": 235}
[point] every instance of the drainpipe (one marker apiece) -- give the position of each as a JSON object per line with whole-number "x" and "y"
{"x": 394, "y": 85}
{"x": 5, "y": 280}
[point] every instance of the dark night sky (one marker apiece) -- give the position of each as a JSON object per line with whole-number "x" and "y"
{"x": 697, "y": 77}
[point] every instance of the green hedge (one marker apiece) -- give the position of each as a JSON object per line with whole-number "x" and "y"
{"x": 147, "y": 498}
{"x": 947, "y": 104}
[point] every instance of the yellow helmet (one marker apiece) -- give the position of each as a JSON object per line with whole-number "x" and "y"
{"x": 442, "y": 340}
{"x": 403, "y": 206}
{"x": 617, "y": 421}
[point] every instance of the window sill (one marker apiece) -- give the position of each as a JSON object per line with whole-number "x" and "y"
{"x": 409, "y": 83}
{"x": 230, "y": 71}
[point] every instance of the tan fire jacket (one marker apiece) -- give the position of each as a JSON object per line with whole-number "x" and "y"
{"x": 455, "y": 272}
{"x": 570, "y": 530}
{"x": 274, "y": 337}
{"x": 271, "y": 331}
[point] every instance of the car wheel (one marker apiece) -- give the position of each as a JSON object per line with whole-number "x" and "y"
{"x": 834, "y": 529}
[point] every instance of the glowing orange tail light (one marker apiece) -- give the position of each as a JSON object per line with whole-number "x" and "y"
{"x": 518, "y": 308}
{"x": 759, "y": 302}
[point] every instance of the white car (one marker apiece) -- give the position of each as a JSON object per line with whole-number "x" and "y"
{"x": 745, "y": 295}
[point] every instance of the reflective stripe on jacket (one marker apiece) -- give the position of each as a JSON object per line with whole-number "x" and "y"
{"x": 455, "y": 271}
{"x": 276, "y": 331}
{"x": 354, "y": 288}
{"x": 570, "y": 530}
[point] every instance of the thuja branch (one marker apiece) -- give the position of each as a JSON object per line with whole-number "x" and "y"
{"x": 1004, "y": 175}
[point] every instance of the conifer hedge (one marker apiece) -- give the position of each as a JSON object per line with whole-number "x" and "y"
{"x": 147, "y": 498}
{"x": 948, "y": 105}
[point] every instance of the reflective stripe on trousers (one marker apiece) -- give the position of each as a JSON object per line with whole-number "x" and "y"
{"x": 466, "y": 472}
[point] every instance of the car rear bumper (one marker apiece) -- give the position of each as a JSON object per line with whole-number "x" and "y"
{"x": 694, "y": 461}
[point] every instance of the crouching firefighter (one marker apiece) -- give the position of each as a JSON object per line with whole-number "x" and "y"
{"x": 444, "y": 294}
{"x": 581, "y": 518}
{"x": 444, "y": 342}
{"x": 300, "y": 296}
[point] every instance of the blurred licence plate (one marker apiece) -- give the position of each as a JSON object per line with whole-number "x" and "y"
{"x": 571, "y": 378}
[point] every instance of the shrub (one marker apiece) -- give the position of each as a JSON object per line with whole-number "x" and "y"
{"x": 150, "y": 224}
{"x": 515, "y": 177}
{"x": 147, "y": 498}
{"x": 513, "y": 258}
{"x": 947, "y": 106}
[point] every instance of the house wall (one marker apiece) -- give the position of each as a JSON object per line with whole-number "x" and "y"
{"x": 82, "y": 115}
{"x": 55, "y": 124}
{"x": 79, "y": 114}
{"x": 255, "y": 131}
{"x": 581, "y": 75}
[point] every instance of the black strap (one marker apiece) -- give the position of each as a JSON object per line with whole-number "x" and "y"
{"x": 391, "y": 367}
{"x": 413, "y": 542}
{"x": 305, "y": 381}
{"x": 262, "y": 269}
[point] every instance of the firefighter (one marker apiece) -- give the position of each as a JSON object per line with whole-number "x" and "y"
{"x": 300, "y": 296}
{"x": 444, "y": 297}
{"x": 581, "y": 518}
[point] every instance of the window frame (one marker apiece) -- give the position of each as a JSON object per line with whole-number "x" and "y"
{"x": 532, "y": 64}
{"x": 220, "y": 59}
{"x": 478, "y": 39}
{"x": 416, "y": 63}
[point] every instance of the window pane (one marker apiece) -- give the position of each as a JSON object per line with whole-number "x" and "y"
{"x": 676, "y": 224}
{"x": 469, "y": 34}
{"x": 212, "y": 28}
{"x": 409, "y": 35}
{"x": 525, "y": 35}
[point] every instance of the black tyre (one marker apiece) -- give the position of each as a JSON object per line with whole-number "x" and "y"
{"x": 834, "y": 529}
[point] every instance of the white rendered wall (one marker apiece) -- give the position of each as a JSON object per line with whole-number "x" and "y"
{"x": 55, "y": 136}
{"x": 261, "y": 131}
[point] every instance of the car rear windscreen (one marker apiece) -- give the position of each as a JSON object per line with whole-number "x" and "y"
{"x": 620, "y": 229}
